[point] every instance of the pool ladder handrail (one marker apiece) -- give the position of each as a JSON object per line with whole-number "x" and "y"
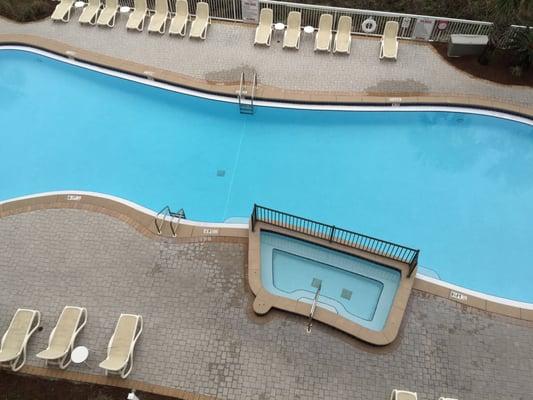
{"x": 175, "y": 219}
{"x": 313, "y": 309}
{"x": 244, "y": 107}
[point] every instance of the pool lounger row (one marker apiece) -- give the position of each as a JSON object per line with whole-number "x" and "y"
{"x": 94, "y": 14}
{"x": 405, "y": 395}
{"x": 323, "y": 37}
{"x": 61, "y": 342}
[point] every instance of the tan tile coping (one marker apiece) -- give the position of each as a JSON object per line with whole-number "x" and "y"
{"x": 477, "y": 300}
{"x": 264, "y": 300}
{"x": 129, "y": 384}
{"x": 140, "y": 219}
{"x": 263, "y": 92}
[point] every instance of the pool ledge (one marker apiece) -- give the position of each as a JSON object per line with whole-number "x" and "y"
{"x": 492, "y": 304}
{"x": 265, "y": 301}
{"x": 140, "y": 218}
{"x": 226, "y": 91}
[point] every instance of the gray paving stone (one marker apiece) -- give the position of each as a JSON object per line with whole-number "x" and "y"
{"x": 201, "y": 335}
{"x": 229, "y": 50}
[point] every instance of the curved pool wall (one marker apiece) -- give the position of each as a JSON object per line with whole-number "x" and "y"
{"x": 358, "y": 290}
{"x": 457, "y": 185}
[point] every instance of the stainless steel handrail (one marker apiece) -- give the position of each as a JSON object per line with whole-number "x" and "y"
{"x": 174, "y": 224}
{"x": 313, "y": 308}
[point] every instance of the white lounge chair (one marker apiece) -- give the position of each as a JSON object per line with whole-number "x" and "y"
{"x": 158, "y": 22}
{"x": 62, "y": 11}
{"x": 15, "y": 340}
{"x": 120, "y": 349}
{"x": 89, "y": 15}
{"x": 200, "y": 23}
{"x": 323, "y": 36}
{"x": 263, "y": 32}
{"x": 178, "y": 25}
{"x": 389, "y": 41}
{"x": 291, "y": 38}
{"x": 109, "y": 14}
{"x": 343, "y": 38}
{"x": 137, "y": 17}
{"x": 61, "y": 342}
{"x": 402, "y": 395}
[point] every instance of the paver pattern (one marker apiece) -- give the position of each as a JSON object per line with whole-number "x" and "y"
{"x": 229, "y": 50}
{"x": 201, "y": 335}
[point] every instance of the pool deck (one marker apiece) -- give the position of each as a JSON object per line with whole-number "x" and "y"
{"x": 419, "y": 76}
{"x": 202, "y": 340}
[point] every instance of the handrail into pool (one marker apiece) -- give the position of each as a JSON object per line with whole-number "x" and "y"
{"x": 337, "y": 235}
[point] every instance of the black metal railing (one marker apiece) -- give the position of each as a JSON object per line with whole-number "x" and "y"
{"x": 337, "y": 235}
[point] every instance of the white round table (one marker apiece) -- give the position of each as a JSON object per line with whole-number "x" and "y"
{"x": 79, "y": 4}
{"x": 124, "y": 9}
{"x": 309, "y": 29}
{"x": 279, "y": 27}
{"x": 79, "y": 354}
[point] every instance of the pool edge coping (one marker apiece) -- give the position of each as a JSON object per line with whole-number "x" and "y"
{"x": 142, "y": 220}
{"x": 272, "y": 96}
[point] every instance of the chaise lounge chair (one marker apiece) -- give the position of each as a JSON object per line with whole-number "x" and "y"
{"x": 61, "y": 342}
{"x": 158, "y": 22}
{"x": 323, "y": 36}
{"x": 62, "y": 11}
{"x": 15, "y": 340}
{"x": 200, "y": 23}
{"x": 109, "y": 14}
{"x": 343, "y": 38}
{"x": 263, "y": 32}
{"x": 137, "y": 17}
{"x": 389, "y": 41}
{"x": 178, "y": 25}
{"x": 120, "y": 349}
{"x": 402, "y": 395}
{"x": 89, "y": 15}
{"x": 291, "y": 39}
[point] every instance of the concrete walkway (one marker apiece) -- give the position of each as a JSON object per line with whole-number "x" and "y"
{"x": 229, "y": 50}
{"x": 201, "y": 335}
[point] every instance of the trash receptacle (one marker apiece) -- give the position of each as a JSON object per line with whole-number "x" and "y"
{"x": 467, "y": 45}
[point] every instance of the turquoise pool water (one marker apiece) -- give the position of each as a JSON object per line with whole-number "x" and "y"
{"x": 356, "y": 289}
{"x": 457, "y": 186}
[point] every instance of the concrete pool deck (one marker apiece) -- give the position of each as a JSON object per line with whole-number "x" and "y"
{"x": 218, "y": 348}
{"x": 419, "y": 76}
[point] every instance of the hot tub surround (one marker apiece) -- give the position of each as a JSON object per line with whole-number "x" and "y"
{"x": 266, "y": 300}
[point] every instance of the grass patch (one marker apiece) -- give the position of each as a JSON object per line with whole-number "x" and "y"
{"x": 26, "y": 10}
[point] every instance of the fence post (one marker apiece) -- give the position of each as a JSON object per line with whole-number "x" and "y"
{"x": 332, "y": 233}
{"x": 254, "y": 217}
{"x": 413, "y": 264}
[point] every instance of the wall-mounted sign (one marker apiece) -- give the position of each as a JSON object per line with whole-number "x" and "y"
{"x": 406, "y": 22}
{"x": 250, "y": 10}
{"x": 423, "y": 28}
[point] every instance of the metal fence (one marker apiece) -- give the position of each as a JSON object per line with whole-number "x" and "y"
{"x": 440, "y": 28}
{"x": 336, "y": 235}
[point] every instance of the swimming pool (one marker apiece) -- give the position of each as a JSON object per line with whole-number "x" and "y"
{"x": 458, "y": 186}
{"x": 351, "y": 287}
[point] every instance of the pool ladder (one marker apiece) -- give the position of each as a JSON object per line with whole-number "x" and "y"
{"x": 246, "y": 105}
{"x": 313, "y": 308}
{"x": 174, "y": 221}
